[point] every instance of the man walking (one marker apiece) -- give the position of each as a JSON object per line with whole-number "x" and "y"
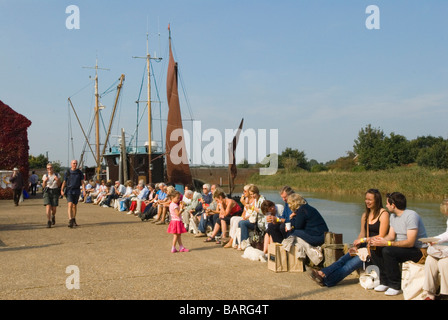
{"x": 34, "y": 179}
{"x": 73, "y": 181}
{"x": 400, "y": 244}
{"x": 17, "y": 185}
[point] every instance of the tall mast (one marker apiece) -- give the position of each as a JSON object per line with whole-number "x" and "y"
{"x": 148, "y": 70}
{"x": 97, "y": 120}
{"x": 148, "y": 60}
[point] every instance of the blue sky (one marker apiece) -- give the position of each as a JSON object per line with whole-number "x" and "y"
{"x": 309, "y": 68}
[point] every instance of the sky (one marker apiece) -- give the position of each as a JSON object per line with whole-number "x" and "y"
{"x": 310, "y": 70}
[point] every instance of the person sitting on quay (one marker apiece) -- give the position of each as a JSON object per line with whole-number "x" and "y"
{"x": 255, "y": 216}
{"x": 374, "y": 222}
{"x": 274, "y": 220}
{"x": 281, "y": 232}
{"x": 306, "y": 221}
{"x": 102, "y": 191}
{"x": 161, "y": 201}
{"x": 399, "y": 245}
{"x": 207, "y": 210}
{"x": 96, "y": 189}
{"x": 234, "y": 230}
{"x": 147, "y": 204}
{"x": 227, "y": 208}
{"x": 189, "y": 203}
{"x": 125, "y": 200}
{"x": 110, "y": 195}
{"x": 436, "y": 264}
{"x": 142, "y": 193}
{"x": 90, "y": 189}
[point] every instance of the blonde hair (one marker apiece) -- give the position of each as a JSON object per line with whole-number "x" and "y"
{"x": 247, "y": 186}
{"x": 295, "y": 200}
{"x": 170, "y": 190}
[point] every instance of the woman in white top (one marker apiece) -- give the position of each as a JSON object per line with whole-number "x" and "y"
{"x": 234, "y": 231}
{"x": 436, "y": 264}
{"x": 51, "y": 183}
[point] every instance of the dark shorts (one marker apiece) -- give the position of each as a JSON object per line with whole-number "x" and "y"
{"x": 73, "y": 197}
{"x": 51, "y": 197}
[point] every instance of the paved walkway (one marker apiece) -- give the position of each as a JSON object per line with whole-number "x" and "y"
{"x": 120, "y": 257}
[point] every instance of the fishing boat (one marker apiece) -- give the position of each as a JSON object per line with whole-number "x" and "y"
{"x": 145, "y": 162}
{"x": 130, "y": 161}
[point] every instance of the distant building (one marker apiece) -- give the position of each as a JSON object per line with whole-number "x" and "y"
{"x": 14, "y": 148}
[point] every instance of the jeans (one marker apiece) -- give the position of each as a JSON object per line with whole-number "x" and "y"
{"x": 210, "y": 220}
{"x": 245, "y": 225}
{"x": 277, "y": 232}
{"x": 340, "y": 269}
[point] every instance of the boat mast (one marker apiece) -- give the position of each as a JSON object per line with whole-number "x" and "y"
{"x": 148, "y": 67}
{"x": 97, "y": 120}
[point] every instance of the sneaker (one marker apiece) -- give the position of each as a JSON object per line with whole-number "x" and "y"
{"x": 49, "y": 224}
{"x": 130, "y": 212}
{"x": 70, "y": 223}
{"x": 160, "y": 222}
{"x": 381, "y": 288}
{"x": 105, "y": 206}
{"x": 184, "y": 250}
{"x": 392, "y": 292}
{"x": 173, "y": 250}
{"x": 74, "y": 222}
{"x": 53, "y": 220}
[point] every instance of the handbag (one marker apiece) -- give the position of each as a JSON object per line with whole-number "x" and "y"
{"x": 257, "y": 240}
{"x": 371, "y": 278}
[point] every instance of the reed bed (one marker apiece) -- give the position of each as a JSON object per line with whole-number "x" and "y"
{"x": 415, "y": 182}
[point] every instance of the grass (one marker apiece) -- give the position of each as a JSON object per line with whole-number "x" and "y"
{"x": 415, "y": 182}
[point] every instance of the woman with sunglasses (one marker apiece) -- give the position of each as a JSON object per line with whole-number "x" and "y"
{"x": 51, "y": 183}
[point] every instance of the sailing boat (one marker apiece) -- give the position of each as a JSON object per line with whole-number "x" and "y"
{"x": 143, "y": 163}
{"x": 177, "y": 167}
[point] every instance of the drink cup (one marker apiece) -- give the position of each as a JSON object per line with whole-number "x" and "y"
{"x": 288, "y": 226}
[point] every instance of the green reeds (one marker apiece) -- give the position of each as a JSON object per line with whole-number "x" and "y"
{"x": 415, "y": 182}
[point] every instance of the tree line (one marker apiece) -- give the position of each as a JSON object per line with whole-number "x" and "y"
{"x": 374, "y": 150}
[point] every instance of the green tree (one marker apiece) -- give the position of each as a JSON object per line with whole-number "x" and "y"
{"x": 37, "y": 162}
{"x": 370, "y": 148}
{"x": 397, "y": 150}
{"x": 421, "y": 144}
{"x": 298, "y": 158}
{"x": 435, "y": 156}
{"x": 346, "y": 163}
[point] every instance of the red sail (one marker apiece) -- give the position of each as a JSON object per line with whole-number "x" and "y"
{"x": 177, "y": 167}
{"x": 232, "y": 161}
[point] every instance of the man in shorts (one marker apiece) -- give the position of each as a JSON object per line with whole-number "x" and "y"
{"x": 51, "y": 182}
{"x": 73, "y": 181}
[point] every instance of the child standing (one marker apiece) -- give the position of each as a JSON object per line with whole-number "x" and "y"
{"x": 176, "y": 226}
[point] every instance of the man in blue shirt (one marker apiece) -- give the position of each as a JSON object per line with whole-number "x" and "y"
{"x": 142, "y": 195}
{"x": 73, "y": 181}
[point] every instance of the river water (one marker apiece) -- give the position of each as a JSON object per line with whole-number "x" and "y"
{"x": 342, "y": 213}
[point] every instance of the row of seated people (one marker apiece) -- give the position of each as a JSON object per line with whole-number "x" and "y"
{"x": 228, "y": 221}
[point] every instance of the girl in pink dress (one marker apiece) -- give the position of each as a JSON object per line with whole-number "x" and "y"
{"x": 176, "y": 226}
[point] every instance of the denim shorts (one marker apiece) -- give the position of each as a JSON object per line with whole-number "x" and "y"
{"x": 73, "y": 197}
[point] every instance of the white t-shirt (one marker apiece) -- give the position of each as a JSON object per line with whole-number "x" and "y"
{"x": 51, "y": 182}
